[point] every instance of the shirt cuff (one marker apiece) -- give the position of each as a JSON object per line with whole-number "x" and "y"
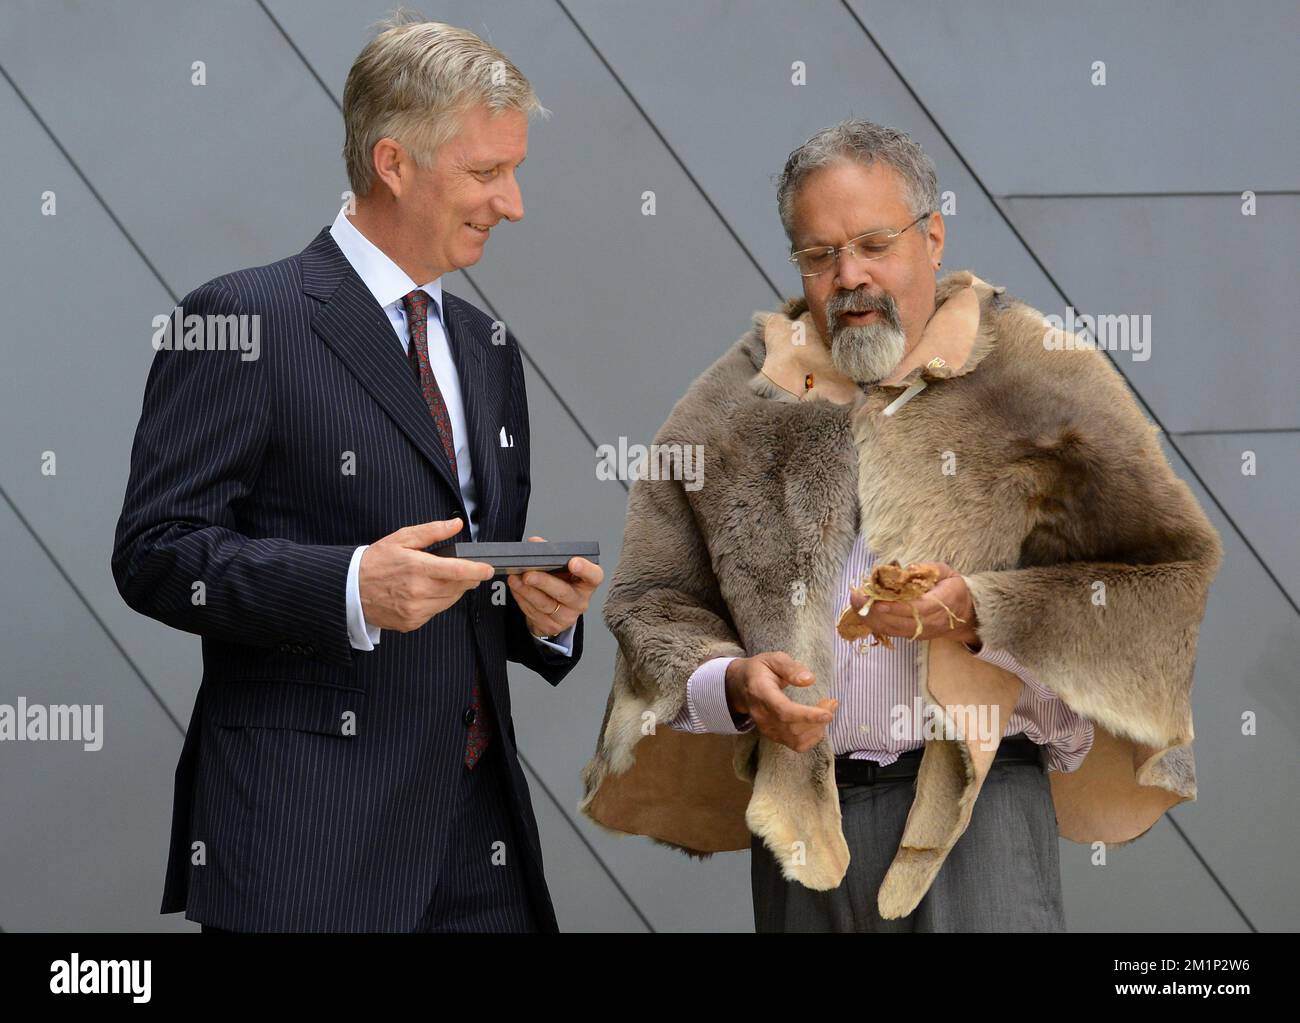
{"x": 561, "y": 644}
{"x": 362, "y": 635}
{"x": 1004, "y": 660}
{"x": 706, "y": 701}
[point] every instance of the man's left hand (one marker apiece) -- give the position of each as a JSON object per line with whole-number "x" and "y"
{"x": 894, "y": 618}
{"x": 552, "y": 601}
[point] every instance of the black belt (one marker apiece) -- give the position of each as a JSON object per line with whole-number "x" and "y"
{"x": 1017, "y": 750}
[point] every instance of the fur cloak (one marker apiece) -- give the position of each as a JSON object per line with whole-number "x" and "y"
{"x": 1030, "y": 470}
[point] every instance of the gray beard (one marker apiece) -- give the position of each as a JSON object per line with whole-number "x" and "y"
{"x": 869, "y": 353}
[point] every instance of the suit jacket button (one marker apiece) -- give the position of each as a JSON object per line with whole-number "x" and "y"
{"x": 470, "y": 716}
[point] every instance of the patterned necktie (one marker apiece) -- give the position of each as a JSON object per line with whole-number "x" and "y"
{"x": 479, "y": 716}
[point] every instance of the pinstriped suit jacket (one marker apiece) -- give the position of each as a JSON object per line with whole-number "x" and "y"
{"x": 287, "y": 816}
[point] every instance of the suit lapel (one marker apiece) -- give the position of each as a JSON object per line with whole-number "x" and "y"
{"x": 482, "y": 404}
{"x": 357, "y": 329}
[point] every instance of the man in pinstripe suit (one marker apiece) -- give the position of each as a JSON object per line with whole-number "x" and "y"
{"x": 280, "y": 506}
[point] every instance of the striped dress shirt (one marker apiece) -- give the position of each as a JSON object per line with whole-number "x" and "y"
{"x": 879, "y": 687}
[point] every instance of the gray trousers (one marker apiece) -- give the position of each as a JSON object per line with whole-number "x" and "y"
{"x": 1004, "y": 873}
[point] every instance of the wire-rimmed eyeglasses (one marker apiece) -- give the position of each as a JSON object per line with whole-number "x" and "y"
{"x": 872, "y": 245}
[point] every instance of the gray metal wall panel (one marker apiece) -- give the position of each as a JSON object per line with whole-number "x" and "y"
{"x": 1219, "y": 287}
{"x": 1263, "y": 505}
{"x": 1143, "y": 888}
{"x": 1245, "y": 662}
{"x": 723, "y": 99}
{"x": 1199, "y": 96}
{"x": 238, "y": 172}
{"x": 76, "y": 333}
{"x": 85, "y": 830}
{"x": 585, "y": 895}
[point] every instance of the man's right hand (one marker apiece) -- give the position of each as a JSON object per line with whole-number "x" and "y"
{"x": 403, "y": 586}
{"x": 754, "y": 687}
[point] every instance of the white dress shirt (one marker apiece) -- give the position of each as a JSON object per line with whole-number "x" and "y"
{"x": 389, "y": 284}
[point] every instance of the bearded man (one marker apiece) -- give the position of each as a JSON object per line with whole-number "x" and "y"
{"x": 1042, "y": 686}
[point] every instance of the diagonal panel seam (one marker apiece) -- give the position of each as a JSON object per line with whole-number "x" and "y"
{"x": 663, "y": 141}
{"x": 537, "y": 776}
{"x": 85, "y": 602}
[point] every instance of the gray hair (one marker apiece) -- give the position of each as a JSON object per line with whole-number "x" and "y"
{"x": 866, "y": 143}
{"x": 412, "y": 82}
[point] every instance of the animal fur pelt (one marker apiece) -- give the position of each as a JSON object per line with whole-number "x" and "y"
{"x": 1029, "y": 470}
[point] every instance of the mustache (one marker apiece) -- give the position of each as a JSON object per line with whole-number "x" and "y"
{"x": 860, "y": 301}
